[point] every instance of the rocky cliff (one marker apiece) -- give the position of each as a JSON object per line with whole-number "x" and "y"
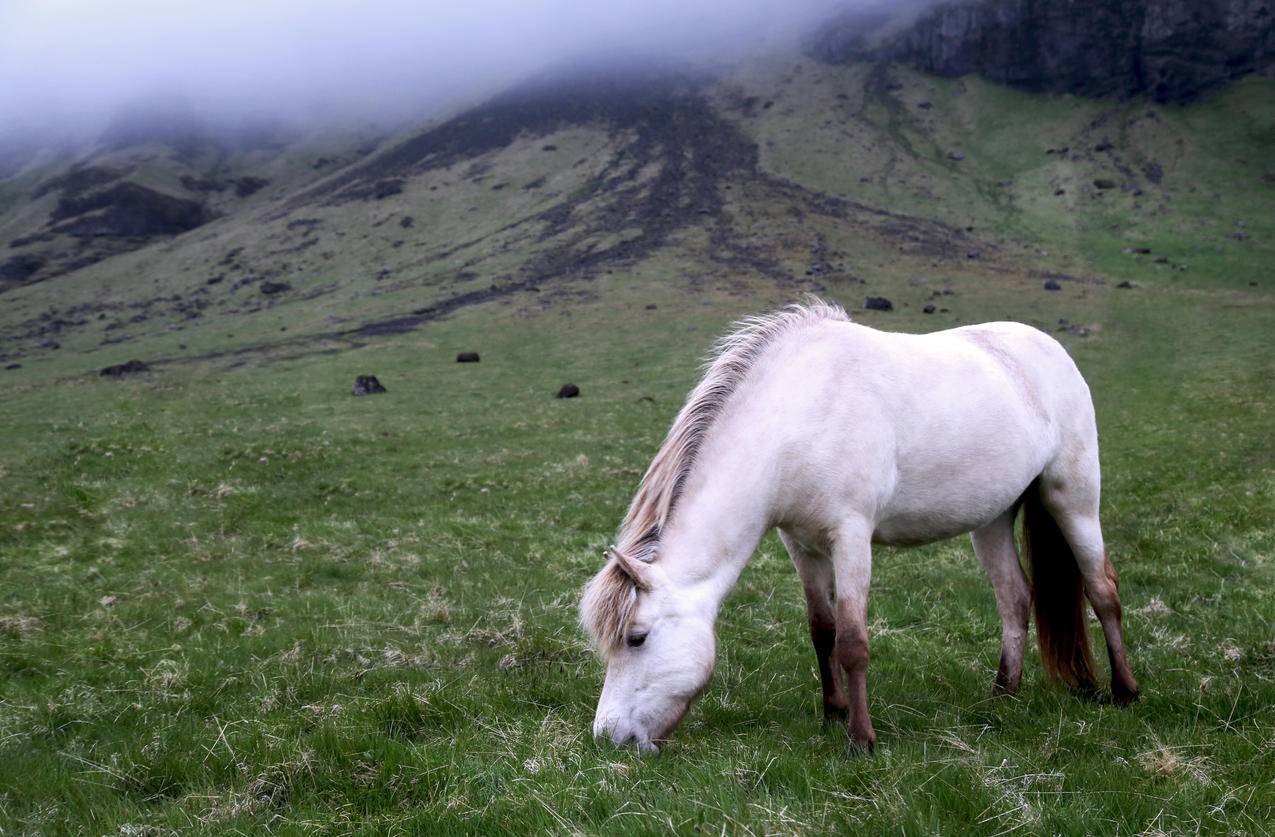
{"x": 1169, "y": 50}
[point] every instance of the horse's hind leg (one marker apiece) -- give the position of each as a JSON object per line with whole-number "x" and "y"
{"x": 1076, "y": 512}
{"x": 818, "y": 583}
{"x": 994, "y": 546}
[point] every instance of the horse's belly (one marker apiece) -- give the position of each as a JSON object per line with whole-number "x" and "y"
{"x": 940, "y": 503}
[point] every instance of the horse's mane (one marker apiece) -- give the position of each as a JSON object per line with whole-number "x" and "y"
{"x": 609, "y": 600}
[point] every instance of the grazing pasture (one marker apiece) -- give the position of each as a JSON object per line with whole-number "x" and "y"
{"x": 245, "y": 600}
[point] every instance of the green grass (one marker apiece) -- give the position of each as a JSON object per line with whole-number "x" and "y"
{"x": 233, "y": 598}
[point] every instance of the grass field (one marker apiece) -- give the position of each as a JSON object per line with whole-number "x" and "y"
{"x": 235, "y": 599}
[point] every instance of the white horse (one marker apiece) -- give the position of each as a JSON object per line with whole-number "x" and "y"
{"x": 844, "y": 436}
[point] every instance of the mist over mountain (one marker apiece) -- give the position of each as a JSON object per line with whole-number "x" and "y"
{"x": 70, "y": 67}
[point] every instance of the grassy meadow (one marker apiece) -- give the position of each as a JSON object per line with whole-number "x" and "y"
{"x": 235, "y": 599}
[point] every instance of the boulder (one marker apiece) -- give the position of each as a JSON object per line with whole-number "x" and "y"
{"x": 569, "y": 391}
{"x": 120, "y": 370}
{"x": 878, "y": 303}
{"x": 929, "y": 309}
{"x": 467, "y": 357}
{"x": 366, "y": 385}
{"x": 1051, "y": 285}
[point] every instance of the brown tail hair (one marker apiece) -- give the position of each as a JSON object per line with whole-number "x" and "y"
{"x": 1058, "y": 592}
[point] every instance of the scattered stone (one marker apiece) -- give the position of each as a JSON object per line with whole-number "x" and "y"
{"x": 973, "y": 254}
{"x": 549, "y": 147}
{"x": 929, "y": 309}
{"x": 924, "y": 105}
{"x": 1103, "y": 146}
{"x": 569, "y": 391}
{"x": 1051, "y": 285}
{"x": 1154, "y": 172}
{"x": 407, "y": 222}
{"x": 1060, "y": 192}
{"x": 1240, "y": 236}
{"x": 13, "y": 366}
{"x": 955, "y": 156}
{"x": 651, "y": 306}
{"x": 367, "y": 385}
{"x": 878, "y": 303}
{"x": 1104, "y": 183}
{"x": 1161, "y": 259}
{"x": 121, "y": 370}
{"x": 1142, "y": 251}
{"x": 1079, "y": 331}
{"x": 467, "y": 357}
{"x": 271, "y": 288}
{"x": 1126, "y": 284}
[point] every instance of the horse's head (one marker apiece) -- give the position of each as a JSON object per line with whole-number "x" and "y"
{"x": 659, "y": 647}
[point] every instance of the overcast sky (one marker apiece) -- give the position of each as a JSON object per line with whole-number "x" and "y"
{"x": 75, "y": 62}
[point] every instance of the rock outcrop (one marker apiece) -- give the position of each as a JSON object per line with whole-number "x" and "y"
{"x": 1169, "y": 50}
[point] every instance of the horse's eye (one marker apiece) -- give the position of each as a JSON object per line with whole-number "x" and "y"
{"x": 635, "y": 640}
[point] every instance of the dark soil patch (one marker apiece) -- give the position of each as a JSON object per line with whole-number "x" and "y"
{"x": 127, "y": 210}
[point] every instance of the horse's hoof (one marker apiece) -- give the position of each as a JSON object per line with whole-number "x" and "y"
{"x": 834, "y": 714}
{"x": 1000, "y": 689}
{"x": 862, "y": 748}
{"x": 1123, "y": 696}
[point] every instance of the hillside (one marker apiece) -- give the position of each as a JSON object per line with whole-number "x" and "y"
{"x": 788, "y": 174}
{"x": 235, "y": 597}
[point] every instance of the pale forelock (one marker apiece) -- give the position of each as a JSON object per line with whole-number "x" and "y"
{"x": 610, "y": 599}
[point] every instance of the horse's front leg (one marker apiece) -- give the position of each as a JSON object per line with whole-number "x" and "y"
{"x": 994, "y": 546}
{"x": 819, "y": 585}
{"x": 852, "y": 563}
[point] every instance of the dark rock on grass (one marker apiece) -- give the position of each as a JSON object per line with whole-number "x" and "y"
{"x": 878, "y": 303}
{"x": 651, "y": 306}
{"x": 569, "y": 391}
{"x": 1104, "y": 183}
{"x": 120, "y": 370}
{"x": 1103, "y": 146}
{"x": 973, "y": 254}
{"x": 929, "y": 309}
{"x": 1078, "y": 330}
{"x": 1142, "y": 251}
{"x": 366, "y": 385}
{"x": 1126, "y": 284}
{"x": 1154, "y": 172}
{"x": 246, "y": 186}
{"x": 549, "y": 147}
{"x": 272, "y": 288}
{"x": 1051, "y": 285}
{"x": 13, "y": 366}
{"x": 1058, "y": 192}
{"x": 407, "y": 222}
{"x": 955, "y": 156}
{"x": 467, "y": 357}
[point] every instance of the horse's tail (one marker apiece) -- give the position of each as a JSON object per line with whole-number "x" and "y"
{"x": 1058, "y": 592}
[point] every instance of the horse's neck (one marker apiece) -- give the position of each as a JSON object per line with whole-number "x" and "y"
{"x": 720, "y": 517}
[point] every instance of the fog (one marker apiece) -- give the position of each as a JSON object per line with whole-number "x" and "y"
{"x": 68, "y": 66}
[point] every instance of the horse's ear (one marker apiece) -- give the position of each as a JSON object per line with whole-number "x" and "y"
{"x": 637, "y": 571}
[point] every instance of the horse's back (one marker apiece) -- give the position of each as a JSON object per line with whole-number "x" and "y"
{"x": 932, "y": 434}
